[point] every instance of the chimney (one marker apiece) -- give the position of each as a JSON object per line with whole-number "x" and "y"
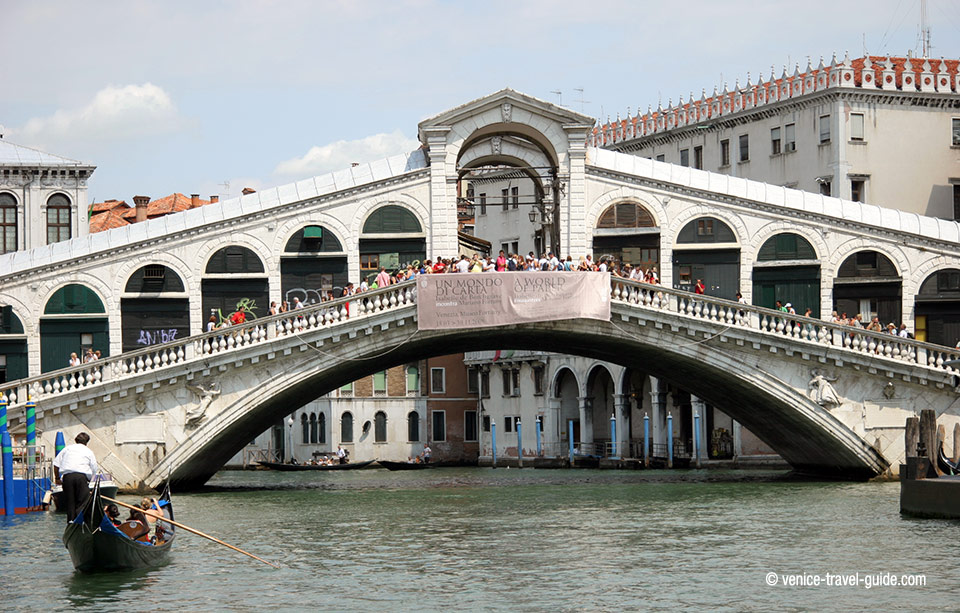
{"x": 194, "y": 200}
{"x": 214, "y": 198}
{"x": 248, "y": 190}
{"x": 141, "y": 204}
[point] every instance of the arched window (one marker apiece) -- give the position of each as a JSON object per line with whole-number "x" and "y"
{"x": 8, "y": 223}
{"x": 73, "y": 299}
{"x": 380, "y": 427}
{"x": 346, "y": 427}
{"x": 322, "y": 427}
{"x": 413, "y": 427}
{"x": 313, "y": 428}
{"x": 313, "y": 238}
{"x": 154, "y": 278}
{"x": 413, "y": 380}
{"x": 304, "y": 429}
{"x": 867, "y": 264}
{"x": 626, "y": 215}
{"x": 942, "y": 284}
{"x": 58, "y": 219}
{"x": 786, "y": 246}
{"x": 391, "y": 219}
{"x": 706, "y": 230}
{"x": 234, "y": 259}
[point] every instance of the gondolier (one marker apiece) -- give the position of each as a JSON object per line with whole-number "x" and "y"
{"x": 73, "y": 467}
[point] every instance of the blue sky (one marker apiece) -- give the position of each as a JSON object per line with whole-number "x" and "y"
{"x": 183, "y": 96}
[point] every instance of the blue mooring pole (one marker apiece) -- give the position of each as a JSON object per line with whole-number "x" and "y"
{"x": 31, "y": 433}
{"x": 669, "y": 440}
{"x": 613, "y": 436}
{"x": 539, "y": 430}
{"x": 519, "y": 445}
{"x": 59, "y": 444}
{"x": 493, "y": 441}
{"x": 5, "y": 443}
{"x": 570, "y": 440}
{"x": 646, "y": 439}
{"x": 696, "y": 436}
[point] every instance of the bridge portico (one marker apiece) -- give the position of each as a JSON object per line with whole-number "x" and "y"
{"x": 745, "y": 359}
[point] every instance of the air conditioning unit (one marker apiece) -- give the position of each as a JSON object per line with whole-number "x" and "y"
{"x": 516, "y": 391}
{"x": 792, "y": 146}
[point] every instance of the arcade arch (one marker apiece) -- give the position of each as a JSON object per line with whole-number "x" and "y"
{"x": 13, "y": 346}
{"x": 391, "y": 237}
{"x": 74, "y": 320}
{"x": 787, "y": 269}
{"x": 234, "y": 281}
{"x": 154, "y": 308}
{"x": 937, "y": 308}
{"x": 708, "y": 249}
{"x": 313, "y": 264}
{"x": 868, "y": 284}
{"x": 628, "y": 231}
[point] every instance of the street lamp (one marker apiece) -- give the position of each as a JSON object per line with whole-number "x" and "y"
{"x": 290, "y": 423}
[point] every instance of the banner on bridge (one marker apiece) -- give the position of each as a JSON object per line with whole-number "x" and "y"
{"x": 495, "y": 299}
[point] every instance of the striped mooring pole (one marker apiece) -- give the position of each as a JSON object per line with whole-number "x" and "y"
{"x": 59, "y": 444}
{"x": 31, "y": 432}
{"x": 5, "y": 443}
{"x": 3, "y": 412}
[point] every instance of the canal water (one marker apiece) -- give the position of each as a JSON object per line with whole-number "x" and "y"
{"x": 475, "y": 539}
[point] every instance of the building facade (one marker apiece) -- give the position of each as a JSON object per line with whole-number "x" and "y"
{"x": 881, "y": 130}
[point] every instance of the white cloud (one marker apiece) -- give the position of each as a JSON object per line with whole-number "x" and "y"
{"x": 116, "y": 113}
{"x": 342, "y": 153}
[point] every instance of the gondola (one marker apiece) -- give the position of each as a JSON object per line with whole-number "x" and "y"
{"x": 947, "y": 467}
{"x": 405, "y": 465}
{"x": 296, "y": 467}
{"x": 95, "y": 544}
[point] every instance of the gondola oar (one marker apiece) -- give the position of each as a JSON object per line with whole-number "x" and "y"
{"x": 191, "y": 530}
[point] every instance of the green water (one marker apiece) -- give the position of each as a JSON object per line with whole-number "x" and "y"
{"x": 494, "y": 540}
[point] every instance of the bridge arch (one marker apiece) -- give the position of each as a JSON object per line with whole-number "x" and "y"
{"x": 487, "y": 128}
{"x": 805, "y": 434}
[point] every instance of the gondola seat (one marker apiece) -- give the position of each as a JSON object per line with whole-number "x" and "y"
{"x": 136, "y": 530}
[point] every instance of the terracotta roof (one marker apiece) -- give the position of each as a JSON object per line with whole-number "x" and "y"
{"x": 174, "y": 203}
{"x": 107, "y": 221}
{"x": 108, "y": 205}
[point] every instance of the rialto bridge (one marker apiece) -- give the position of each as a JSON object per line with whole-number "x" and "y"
{"x": 142, "y": 294}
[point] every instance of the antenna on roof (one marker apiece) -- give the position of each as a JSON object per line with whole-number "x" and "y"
{"x": 559, "y": 96}
{"x": 226, "y": 188}
{"x": 924, "y": 30}
{"x": 581, "y": 100}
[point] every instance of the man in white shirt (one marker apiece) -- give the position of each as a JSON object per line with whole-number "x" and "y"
{"x": 73, "y": 468}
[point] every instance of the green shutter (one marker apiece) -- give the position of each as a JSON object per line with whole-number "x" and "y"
{"x": 313, "y": 232}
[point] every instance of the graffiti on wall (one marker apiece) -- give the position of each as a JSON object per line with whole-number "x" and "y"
{"x": 246, "y": 310}
{"x": 156, "y": 337}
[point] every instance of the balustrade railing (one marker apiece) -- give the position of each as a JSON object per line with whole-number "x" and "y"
{"x": 221, "y": 340}
{"x": 796, "y": 327}
{"x": 654, "y": 297}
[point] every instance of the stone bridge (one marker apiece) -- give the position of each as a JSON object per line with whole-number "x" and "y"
{"x": 178, "y": 411}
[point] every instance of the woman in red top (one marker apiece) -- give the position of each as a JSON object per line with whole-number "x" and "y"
{"x": 699, "y": 287}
